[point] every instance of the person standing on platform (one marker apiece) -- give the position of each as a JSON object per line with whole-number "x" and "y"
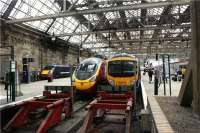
{"x": 179, "y": 74}
{"x": 7, "y": 80}
{"x": 156, "y": 80}
{"x": 150, "y": 73}
{"x": 183, "y": 71}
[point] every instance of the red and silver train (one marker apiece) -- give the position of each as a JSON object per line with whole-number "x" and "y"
{"x": 119, "y": 71}
{"x": 88, "y": 74}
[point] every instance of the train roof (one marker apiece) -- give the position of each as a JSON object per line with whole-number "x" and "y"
{"x": 94, "y": 59}
{"x": 125, "y": 55}
{"x": 54, "y": 65}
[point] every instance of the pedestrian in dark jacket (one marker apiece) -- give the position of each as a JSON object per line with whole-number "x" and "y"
{"x": 150, "y": 74}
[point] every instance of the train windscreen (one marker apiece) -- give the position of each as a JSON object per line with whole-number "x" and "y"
{"x": 48, "y": 67}
{"x": 122, "y": 68}
{"x": 86, "y": 69}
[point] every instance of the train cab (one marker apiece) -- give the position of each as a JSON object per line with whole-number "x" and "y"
{"x": 87, "y": 74}
{"x": 122, "y": 71}
{"x": 55, "y": 71}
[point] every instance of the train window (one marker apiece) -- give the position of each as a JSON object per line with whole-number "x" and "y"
{"x": 122, "y": 68}
{"x": 87, "y": 67}
{"x": 86, "y": 70}
{"x": 48, "y": 67}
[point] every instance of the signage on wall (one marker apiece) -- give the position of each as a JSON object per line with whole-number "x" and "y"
{"x": 13, "y": 66}
{"x": 27, "y": 60}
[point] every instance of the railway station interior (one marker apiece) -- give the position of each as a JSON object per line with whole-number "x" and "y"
{"x": 99, "y": 66}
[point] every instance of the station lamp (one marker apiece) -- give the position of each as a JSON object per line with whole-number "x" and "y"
{"x": 53, "y": 38}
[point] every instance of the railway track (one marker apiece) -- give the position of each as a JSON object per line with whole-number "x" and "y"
{"x": 45, "y": 113}
{"x": 71, "y": 125}
{"x": 74, "y": 123}
{"x": 65, "y": 126}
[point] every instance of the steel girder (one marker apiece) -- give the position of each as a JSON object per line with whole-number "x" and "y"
{"x": 95, "y": 11}
{"x": 9, "y": 9}
{"x": 171, "y": 50}
{"x": 125, "y": 30}
{"x": 104, "y": 19}
{"x": 142, "y": 40}
{"x": 81, "y": 18}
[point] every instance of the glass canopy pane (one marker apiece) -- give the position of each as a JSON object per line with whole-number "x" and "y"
{"x": 112, "y": 15}
{"x": 29, "y": 8}
{"x": 155, "y": 11}
{"x": 4, "y": 5}
{"x": 133, "y": 13}
{"x": 63, "y": 25}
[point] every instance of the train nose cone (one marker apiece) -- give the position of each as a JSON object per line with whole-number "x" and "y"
{"x": 84, "y": 86}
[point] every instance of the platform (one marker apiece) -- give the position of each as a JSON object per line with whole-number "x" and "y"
{"x": 176, "y": 85}
{"x": 167, "y": 112}
{"x": 33, "y": 89}
{"x": 181, "y": 119}
{"x": 168, "y": 115}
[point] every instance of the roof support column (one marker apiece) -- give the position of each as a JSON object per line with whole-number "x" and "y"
{"x": 196, "y": 55}
{"x": 65, "y": 54}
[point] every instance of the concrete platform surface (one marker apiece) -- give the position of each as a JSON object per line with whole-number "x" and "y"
{"x": 150, "y": 87}
{"x": 181, "y": 119}
{"x": 33, "y": 89}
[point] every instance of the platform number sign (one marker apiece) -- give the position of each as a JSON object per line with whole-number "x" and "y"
{"x": 13, "y": 66}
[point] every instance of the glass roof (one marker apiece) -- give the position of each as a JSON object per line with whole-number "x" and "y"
{"x": 131, "y": 13}
{"x": 4, "y": 5}
{"x": 80, "y": 38}
{"x": 155, "y": 11}
{"x": 63, "y": 25}
{"x": 112, "y": 15}
{"x": 69, "y": 25}
{"x": 27, "y": 8}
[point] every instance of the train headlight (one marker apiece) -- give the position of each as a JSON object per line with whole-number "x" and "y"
{"x": 132, "y": 82}
{"x": 73, "y": 78}
{"x": 93, "y": 79}
{"x": 111, "y": 82}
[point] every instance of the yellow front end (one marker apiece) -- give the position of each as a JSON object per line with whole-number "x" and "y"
{"x": 88, "y": 84}
{"x": 45, "y": 72}
{"x": 83, "y": 85}
{"x": 122, "y": 81}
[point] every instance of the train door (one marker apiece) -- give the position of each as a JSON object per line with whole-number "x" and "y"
{"x": 56, "y": 71}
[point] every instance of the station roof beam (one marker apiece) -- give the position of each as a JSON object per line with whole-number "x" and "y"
{"x": 106, "y": 9}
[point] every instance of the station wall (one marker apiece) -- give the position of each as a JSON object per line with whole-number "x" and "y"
{"x": 33, "y": 45}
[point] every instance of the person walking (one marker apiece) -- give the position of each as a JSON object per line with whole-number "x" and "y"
{"x": 156, "y": 80}
{"x": 7, "y": 80}
{"x": 150, "y": 74}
